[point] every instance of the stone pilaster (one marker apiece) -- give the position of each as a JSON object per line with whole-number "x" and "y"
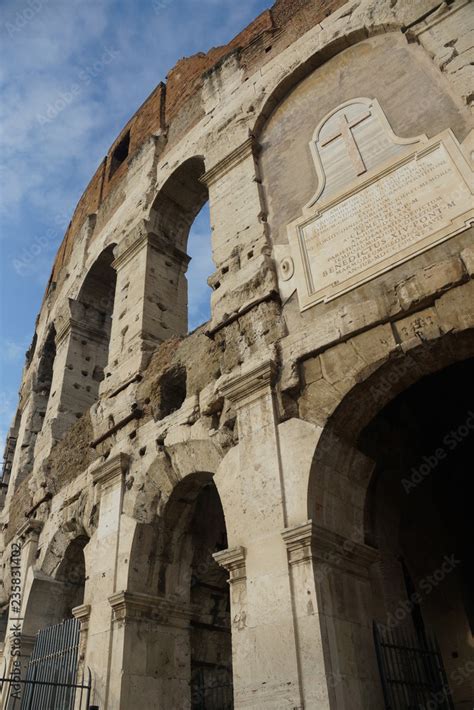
{"x": 150, "y": 303}
{"x": 330, "y": 572}
{"x": 81, "y": 357}
{"x": 147, "y": 630}
{"x": 28, "y": 537}
{"x": 82, "y": 613}
{"x": 264, "y": 614}
{"x": 246, "y": 275}
{"x": 104, "y": 564}
{"x": 233, "y": 560}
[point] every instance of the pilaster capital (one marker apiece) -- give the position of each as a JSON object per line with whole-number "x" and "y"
{"x": 30, "y": 531}
{"x": 233, "y": 560}
{"x": 249, "y": 147}
{"x": 309, "y": 541}
{"x": 70, "y": 319}
{"x": 145, "y": 238}
{"x": 82, "y": 613}
{"x": 134, "y": 606}
{"x": 299, "y": 542}
{"x": 26, "y": 642}
{"x": 249, "y": 383}
{"x": 110, "y": 473}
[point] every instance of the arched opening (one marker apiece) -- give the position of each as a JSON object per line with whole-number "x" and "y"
{"x": 194, "y": 529}
{"x": 44, "y": 377}
{"x": 180, "y": 215}
{"x": 187, "y": 630}
{"x": 95, "y": 306}
{"x": 72, "y": 575}
{"x": 33, "y": 416}
{"x": 388, "y": 493}
{"x": 419, "y": 517}
{"x": 53, "y": 597}
{"x": 51, "y": 636}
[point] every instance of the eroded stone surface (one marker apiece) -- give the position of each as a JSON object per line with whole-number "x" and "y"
{"x": 162, "y": 462}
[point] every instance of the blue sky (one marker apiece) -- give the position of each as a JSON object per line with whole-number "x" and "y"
{"x": 53, "y": 136}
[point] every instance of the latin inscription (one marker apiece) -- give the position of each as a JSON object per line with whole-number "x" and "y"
{"x": 385, "y": 221}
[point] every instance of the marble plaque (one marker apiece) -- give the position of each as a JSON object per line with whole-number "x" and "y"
{"x": 386, "y": 217}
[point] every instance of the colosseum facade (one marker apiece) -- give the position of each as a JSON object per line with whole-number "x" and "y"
{"x": 267, "y": 511}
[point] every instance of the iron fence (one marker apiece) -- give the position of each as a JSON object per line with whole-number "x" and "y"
{"x": 411, "y": 671}
{"x": 52, "y": 680}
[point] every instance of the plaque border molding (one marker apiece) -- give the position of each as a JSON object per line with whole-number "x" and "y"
{"x": 310, "y": 295}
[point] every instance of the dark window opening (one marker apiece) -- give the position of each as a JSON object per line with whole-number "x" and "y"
{"x": 31, "y": 350}
{"x": 172, "y": 391}
{"x": 72, "y": 574}
{"x": 45, "y": 370}
{"x": 119, "y": 154}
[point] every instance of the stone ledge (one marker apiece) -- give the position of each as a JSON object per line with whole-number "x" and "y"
{"x": 233, "y": 560}
{"x": 139, "y": 606}
{"x": 109, "y": 472}
{"x": 250, "y": 383}
{"x": 309, "y": 541}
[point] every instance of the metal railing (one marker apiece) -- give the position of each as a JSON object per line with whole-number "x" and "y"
{"x": 52, "y": 679}
{"x": 411, "y": 671}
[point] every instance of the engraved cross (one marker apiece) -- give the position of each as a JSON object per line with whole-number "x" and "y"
{"x": 344, "y": 131}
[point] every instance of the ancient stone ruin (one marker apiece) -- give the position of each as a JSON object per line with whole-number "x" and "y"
{"x": 272, "y": 511}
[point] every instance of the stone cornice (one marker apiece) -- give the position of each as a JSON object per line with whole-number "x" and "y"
{"x": 111, "y": 471}
{"x": 243, "y": 151}
{"x": 233, "y": 560}
{"x": 163, "y": 245}
{"x": 30, "y": 530}
{"x": 25, "y": 640}
{"x": 312, "y": 542}
{"x": 250, "y": 384}
{"x": 155, "y": 241}
{"x": 82, "y": 613}
{"x": 79, "y": 328}
{"x": 136, "y": 606}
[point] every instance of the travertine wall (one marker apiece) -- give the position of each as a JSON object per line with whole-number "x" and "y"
{"x": 267, "y": 400}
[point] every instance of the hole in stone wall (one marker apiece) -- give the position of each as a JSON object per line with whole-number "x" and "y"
{"x": 172, "y": 391}
{"x": 119, "y": 154}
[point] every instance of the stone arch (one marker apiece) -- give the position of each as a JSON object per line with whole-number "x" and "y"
{"x": 34, "y": 413}
{"x": 187, "y": 465}
{"x": 379, "y": 383}
{"x": 334, "y": 46}
{"x": 94, "y": 310}
{"x": 57, "y": 586}
{"x": 357, "y": 559}
{"x": 185, "y": 634}
{"x": 176, "y": 207}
